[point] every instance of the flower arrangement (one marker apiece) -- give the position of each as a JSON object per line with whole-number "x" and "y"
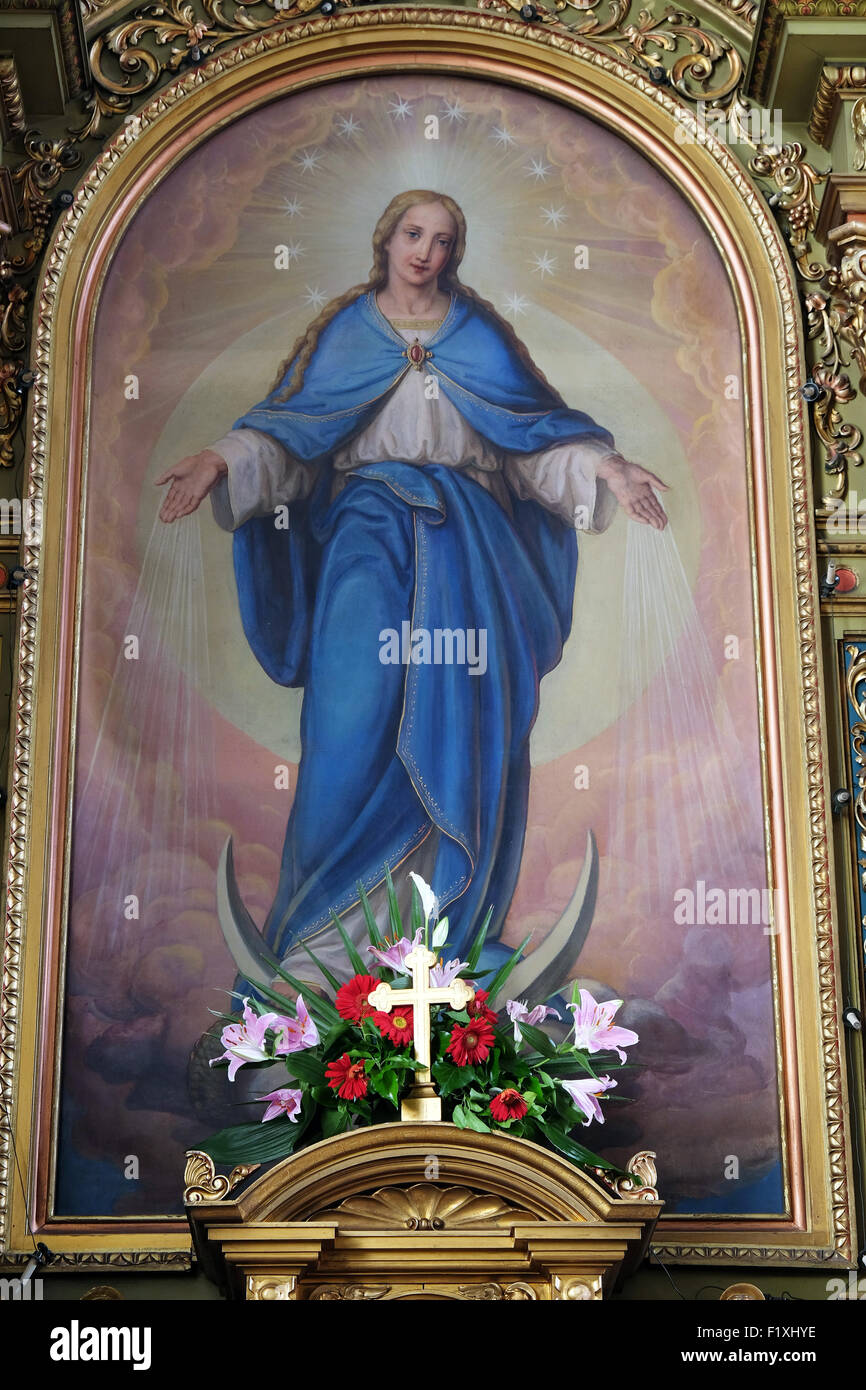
{"x": 348, "y": 1063}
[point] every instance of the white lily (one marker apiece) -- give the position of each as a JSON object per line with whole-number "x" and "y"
{"x": 440, "y": 934}
{"x": 429, "y": 901}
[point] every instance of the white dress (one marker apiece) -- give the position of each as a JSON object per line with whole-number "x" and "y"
{"x": 411, "y": 428}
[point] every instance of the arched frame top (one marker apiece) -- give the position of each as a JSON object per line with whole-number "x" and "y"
{"x": 152, "y": 142}
{"x": 520, "y": 1173}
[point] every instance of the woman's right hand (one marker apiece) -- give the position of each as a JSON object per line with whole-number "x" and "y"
{"x": 191, "y": 481}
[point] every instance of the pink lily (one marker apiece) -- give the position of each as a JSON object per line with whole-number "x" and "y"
{"x": 518, "y": 1012}
{"x": 593, "y": 1026}
{"x": 245, "y": 1042}
{"x": 295, "y": 1034}
{"x": 585, "y": 1094}
{"x": 395, "y": 956}
{"x": 442, "y": 975}
{"x": 283, "y": 1102}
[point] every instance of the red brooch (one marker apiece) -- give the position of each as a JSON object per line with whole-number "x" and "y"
{"x": 417, "y": 355}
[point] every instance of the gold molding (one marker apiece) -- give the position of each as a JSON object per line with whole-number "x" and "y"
{"x": 171, "y": 123}
{"x": 836, "y": 82}
{"x": 12, "y": 118}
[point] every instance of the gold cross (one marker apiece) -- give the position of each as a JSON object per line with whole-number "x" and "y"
{"x": 422, "y": 1102}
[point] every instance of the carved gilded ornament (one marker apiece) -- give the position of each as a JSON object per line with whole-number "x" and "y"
{"x": 837, "y": 80}
{"x": 202, "y": 1183}
{"x": 262, "y": 1288}
{"x": 517, "y": 1292}
{"x": 642, "y": 1183}
{"x": 858, "y": 127}
{"x": 422, "y": 1207}
{"x": 836, "y": 319}
{"x": 645, "y": 42}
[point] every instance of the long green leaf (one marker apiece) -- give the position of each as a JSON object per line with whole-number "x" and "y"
{"x": 376, "y": 938}
{"x": 331, "y": 978}
{"x": 505, "y": 970}
{"x": 255, "y": 1142}
{"x": 354, "y": 959}
{"x": 572, "y": 1149}
{"x": 393, "y": 908}
{"x": 538, "y": 1039}
{"x": 480, "y": 937}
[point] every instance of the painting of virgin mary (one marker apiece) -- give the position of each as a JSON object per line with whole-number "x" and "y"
{"x": 405, "y": 507}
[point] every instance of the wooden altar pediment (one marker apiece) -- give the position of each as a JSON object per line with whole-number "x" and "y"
{"x": 419, "y": 1211}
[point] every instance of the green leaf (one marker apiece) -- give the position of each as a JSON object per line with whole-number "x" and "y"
{"x": 376, "y": 938}
{"x": 473, "y": 1121}
{"x": 449, "y": 1077}
{"x": 339, "y": 1030}
{"x": 393, "y": 908}
{"x": 334, "y": 1122}
{"x": 538, "y": 1039}
{"x": 354, "y": 959}
{"x": 505, "y": 970}
{"x": 331, "y": 979}
{"x": 481, "y": 935}
{"x": 255, "y": 1142}
{"x": 384, "y": 1083}
{"x": 570, "y": 1148}
{"x": 305, "y": 1067}
{"x": 569, "y": 1067}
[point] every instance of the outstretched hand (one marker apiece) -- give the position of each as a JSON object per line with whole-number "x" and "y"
{"x": 632, "y": 486}
{"x": 191, "y": 481}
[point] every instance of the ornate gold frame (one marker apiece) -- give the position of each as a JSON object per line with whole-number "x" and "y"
{"x": 178, "y": 117}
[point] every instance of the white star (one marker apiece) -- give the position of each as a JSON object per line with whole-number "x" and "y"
{"x": 309, "y": 160}
{"x": 400, "y": 109}
{"x": 294, "y": 250}
{"x": 347, "y": 125}
{"x": 553, "y": 216}
{"x": 454, "y": 111}
{"x": 538, "y": 169}
{"x": 293, "y": 207}
{"x": 515, "y": 304}
{"x": 315, "y": 297}
{"x": 545, "y": 263}
{"x": 501, "y": 136}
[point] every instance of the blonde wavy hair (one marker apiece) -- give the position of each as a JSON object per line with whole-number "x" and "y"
{"x": 306, "y": 345}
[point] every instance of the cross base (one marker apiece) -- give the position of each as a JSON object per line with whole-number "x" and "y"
{"x": 421, "y": 1103}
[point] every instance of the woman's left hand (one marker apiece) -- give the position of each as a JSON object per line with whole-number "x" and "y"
{"x": 632, "y": 486}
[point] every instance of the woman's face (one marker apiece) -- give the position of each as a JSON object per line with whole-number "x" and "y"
{"x": 421, "y": 243}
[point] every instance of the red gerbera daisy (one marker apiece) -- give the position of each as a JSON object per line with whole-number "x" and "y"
{"x": 508, "y": 1105}
{"x": 471, "y": 1042}
{"x": 477, "y": 1007}
{"x": 351, "y": 999}
{"x": 398, "y": 1025}
{"x": 347, "y": 1078}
